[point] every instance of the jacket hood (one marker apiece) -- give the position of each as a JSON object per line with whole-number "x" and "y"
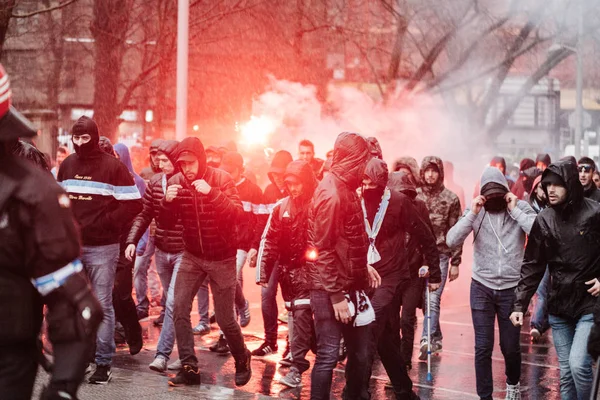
{"x": 526, "y": 163}
{"x": 545, "y": 158}
{"x": 403, "y": 182}
{"x": 194, "y": 146}
{"x": 156, "y": 144}
{"x": 412, "y": 165}
{"x": 280, "y": 161}
{"x": 377, "y": 171}
{"x": 123, "y": 153}
{"x": 436, "y": 162}
{"x": 350, "y": 157}
{"x": 303, "y": 172}
{"x": 567, "y": 171}
{"x": 493, "y": 175}
{"x": 375, "y": 147}
{"x": 499, "y": 160}
{"x": 169, "y": 148}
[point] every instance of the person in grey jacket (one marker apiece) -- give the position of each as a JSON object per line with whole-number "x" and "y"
{"x": 500, "y": 223}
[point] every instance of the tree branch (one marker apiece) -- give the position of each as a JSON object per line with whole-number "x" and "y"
{"x": 44, "y": 10}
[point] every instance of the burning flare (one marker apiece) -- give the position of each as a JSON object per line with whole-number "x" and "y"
{"x": 258, "y": 130}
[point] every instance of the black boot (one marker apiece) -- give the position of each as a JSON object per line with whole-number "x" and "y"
{"x": 243, "y": 369}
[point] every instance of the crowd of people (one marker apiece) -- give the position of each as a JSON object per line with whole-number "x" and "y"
{"x": 353, "y": 246}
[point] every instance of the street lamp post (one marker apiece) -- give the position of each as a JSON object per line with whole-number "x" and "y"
{"x": 183, "y": 11}
{"x": 579, "y": 83}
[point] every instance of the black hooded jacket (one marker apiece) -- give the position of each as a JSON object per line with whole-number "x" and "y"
{"x": 402, "y": 182}
{"x": 567, "y": 239}
{"x": 285, "y": 237}
{"x": 102, "y": 191}
{"x": 401, "y": 219}
{"x": 592, "y": 192}
{"x": 336, "y": 229}
{"x": 166, "y": 239}
{"x": 208, "y": 220}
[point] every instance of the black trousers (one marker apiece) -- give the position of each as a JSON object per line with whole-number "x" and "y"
{"x": 125, "y": 309}
{"x": 412, "y": 298}
{"x": 303, "y": 337}
{"x": 386, "y": 341}
{"x": 18, "y": 368}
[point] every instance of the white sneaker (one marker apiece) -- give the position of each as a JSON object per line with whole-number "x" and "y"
{"x": 513, "y": 392}
{"x": 159, "y": 364}
{"x": 176, "y": 366}
{"x": 423, "y": 350}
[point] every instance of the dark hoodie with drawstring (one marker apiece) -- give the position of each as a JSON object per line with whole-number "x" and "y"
{"x": 209, "y": 220}
{"x": 102, "y": 191}
{"x": 336, "y": 229}
{"x": 285, "y": 237}
{"x": 401, "y": 219}
{"x": 167, "y": 239}
{"x": 565, "y": 237}
{"x": 444, "y": 209}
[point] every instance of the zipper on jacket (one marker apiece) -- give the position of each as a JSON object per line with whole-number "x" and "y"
{"x": 198, "y": 223}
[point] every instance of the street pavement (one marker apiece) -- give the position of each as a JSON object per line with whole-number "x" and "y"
{"x": 453, "y": 369}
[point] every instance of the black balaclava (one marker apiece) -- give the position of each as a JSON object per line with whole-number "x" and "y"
{"x": 83, "y": 126}
{"x": 494, "y": 194}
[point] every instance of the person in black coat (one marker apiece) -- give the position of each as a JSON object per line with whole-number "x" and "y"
{"x": 566, "y": 238}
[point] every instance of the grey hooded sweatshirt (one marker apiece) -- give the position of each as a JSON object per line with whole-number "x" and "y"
{"x": 499, "y": 242}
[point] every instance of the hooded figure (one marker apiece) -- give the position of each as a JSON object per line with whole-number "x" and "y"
{"x": 209, "y": 219}
{"x": 410, "y": 164}
{"x": 375, "y": 147}
{"x": 565, "y": 238}
{"x": 390, "y": 218}
{"x": 147, "y": 172}
{"x": 167, "y": 239}
{"x": 123, "y": 153}
{"x": 500, "y": 231}
{"x": 542, "y": 161}
{"x": 336, "y": 221}
{"x": 500, "y": 163}
{"x": 276, "y": 190}
{"x": 444, "y": 208}
{"x": 86, "y": 126}
{"x": 284, "y": 246}
{"x": 537, "y": 203}
{"x": 106, "y": 146}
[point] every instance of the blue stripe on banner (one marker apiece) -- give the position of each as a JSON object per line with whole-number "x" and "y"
{"x": 102, "y": 189}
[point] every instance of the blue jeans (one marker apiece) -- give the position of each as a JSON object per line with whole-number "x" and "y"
{"x": 570, "y": 340}
{"x": 140, "y": 276}
{"x": 269, "y": 307}
{"x": 539, "y": 318}
{"x": 328, "y": 333}
{"x": 487, "y": 305}
{"x": 167, "y": 265}
{"x": 100, "y": 263}
{"x": 436, "y": 299}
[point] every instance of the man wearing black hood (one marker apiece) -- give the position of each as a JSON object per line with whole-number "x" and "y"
{"x": 565, "y": 237}
{"x": 586, "y": 167}
{"x": 336, "y": 233}
{"x": 207, "y": 203}
{"x": 284, "y": 240}
{"x": 274, "y": 192}
{"x": 105, "y": 199}
{"x": 389, "y": 217}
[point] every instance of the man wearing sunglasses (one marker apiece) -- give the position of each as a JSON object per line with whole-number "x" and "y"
{"x": 587, "y": 167}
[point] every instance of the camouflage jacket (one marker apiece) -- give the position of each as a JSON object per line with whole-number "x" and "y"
{"x": 444, "y": 209}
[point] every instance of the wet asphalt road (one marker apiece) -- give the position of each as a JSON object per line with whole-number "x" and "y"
{"x": 453, "y": 370}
